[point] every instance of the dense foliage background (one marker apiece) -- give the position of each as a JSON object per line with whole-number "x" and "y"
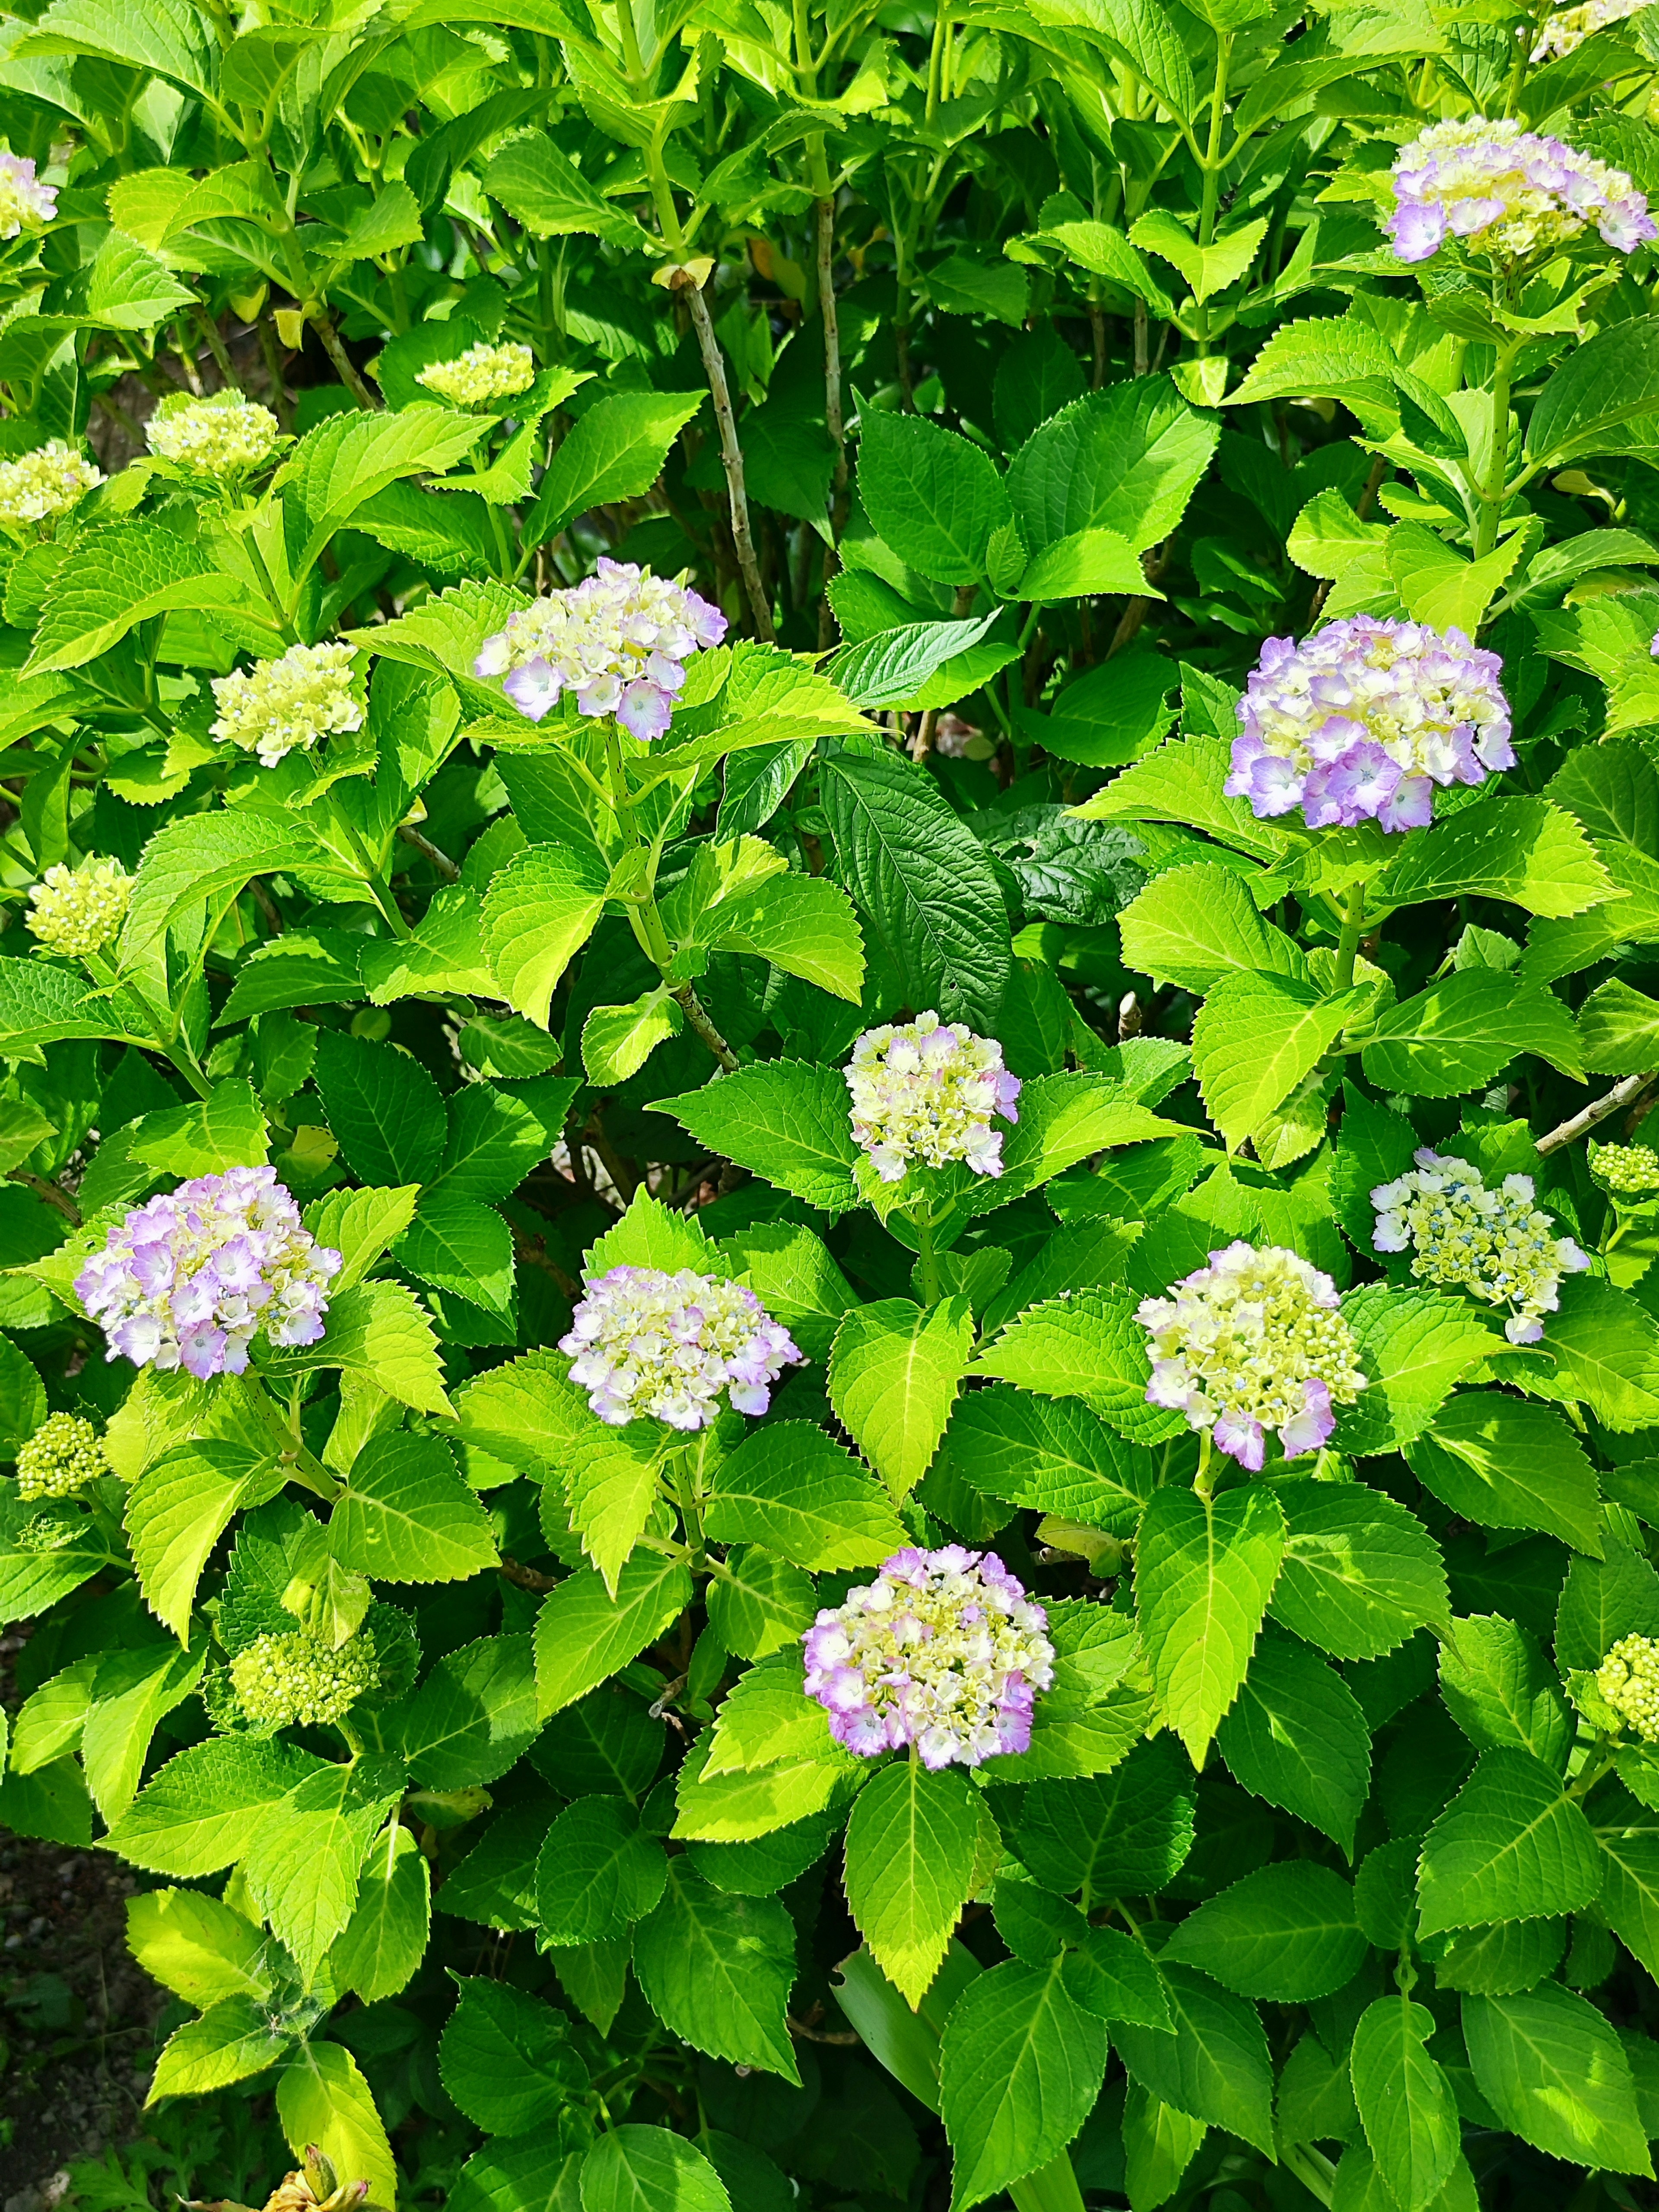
{"x": 1007, "y": 375}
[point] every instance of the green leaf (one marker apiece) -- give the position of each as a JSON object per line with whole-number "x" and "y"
{"x": 1604, "y": 1600}
{"x": 613, "y": 1486}
{"x": 539, "y": 912}
{"x": 1297, "y": 1736}
{"x": 304, "y": 1855}
{"x": 1205, "y": 1568}
{"x": 618, "y": 1041}
{"x": 1052, "y": 1454}
{"x": 1090, "y": 1346}
{"x": 377, "y": 1952}
{"x": 195, "y": 1947}
{"x": 1085, "y": 564}
{"x": 1406, "y": 2102}
{"x": 457, "y": 1244}
{"x": 1213, "y": 2064}
{"x": 134, "y": 1691}
{"x": 912, "y": 1846}
{"x": 1125, "y": 458}
{"x": 640, "y": 2169}
{"x": 1508, "y": 1463}
{"x": 1254, "y": 1039}
{"x": 1553, "y": 2070}
{"x": 793, "y": 1488}
{"x": 201, "y": 855}
{"x": 340, "y": 464}
{"x": 542, "y": 188}
{"x": 895, "y": 1370}
{"x": 1606, "y": 1352}
{"x": 383, "y": 1107}
{"x": 322, "y": 2099}
{"x": 505, "y": 2057}
{"x": 1121, "y": 1835}
{"x": 597, "y": 1872}
{"x": 406, "y": 1515}
{"x": 934, "y": 496}
{"x": 1618, "y": 1029}
{"x": 379, "y": 1331}
{"x": 1208, "y": 268}
{"x": 1019, "y": 2070}
{"x": 1627, "y": 1835}
{"x": 117, "y": 578}
{"x": 194, "y": 1816}
{"x": 923, "y": 882}
{"x": 1327, "y": 357}
{"x": 1439, "y": 585}
{"x": 804, "y": 925}
{"x": 234, "y": 2039}
{"x": 615, "y": 451}
{"x": 583, "y": 1634}
{"x": 1182, "y": 781}
{"x": 473, "y": 1715}
{"x": 1286, "y": 1932}
{"x": 717, "y": 1970}
{"x": 1360, "y": 1574}
{"x": 177, "y": 1509}
{"x": 1510, "y": 1846}
{"x": 1195, "y": 926}
{"x": 1413, "y": 1346}
{"x": 781, "y": 1119}
{"x": 1596, "y": 400}
{"x": 1500, "y": 1690}
{"x": 1458, "y": 1034}
{"x": 1524, "y": 850}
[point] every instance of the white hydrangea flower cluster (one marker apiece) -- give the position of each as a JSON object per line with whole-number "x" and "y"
{"x": 1509, "y": 191}
{"x": 224, "y": 436}
{"x": 1495, "y": 1244}
{"x": 293, "y": 1677}
{"x": 44, "y": 483}
{"x": 645, "y": 1342}
{"x": 1631, "y": 1171}
{"x": 620, "y": 641}
{"x": 187, "y": 1279}
{"x": 1628, "y": 1678}
{"x": 925, "y": 1090}
{"x": 78, "y": 911}
{"x": 481, "y": 374}
{"x": 1254, "y": 1341}
{"x": 293, "y": 701}
{"x": 944, "y": 1651}
{"x": 1568, "y": 28}
{"x": 1361, "y": 721}
{"x": 63, "y": 1455}
{"x": 25, "y": 203}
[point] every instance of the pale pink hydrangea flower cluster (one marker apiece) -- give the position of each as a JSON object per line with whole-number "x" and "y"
{"x": 1254, "y": 1341}
{"x": 1566, "y": 30}
{"x": 645, "y": 1342}
{"x": 25, "y": 203}
{"x": 1498, "y": 1245}
{"x": 188, "y": 1279}
{"x": 1509, "y": 191}
{"x": 925, "y": 1090}
{"x": 619, "y": 641}
{"x": 1361, "y": 721}
{"x": 944, "y": 1651}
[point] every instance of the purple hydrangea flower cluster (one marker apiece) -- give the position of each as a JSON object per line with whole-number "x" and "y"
{"x": 944, "y": 1651}
{"x": 1509, "y": 191}
{"x": 1361, "y": 721}
{"x": 645, "y": 1342}
{"x": 25, "y": 203}
{"x": 620, "y": 641}
{"x": 188, "y": 1279}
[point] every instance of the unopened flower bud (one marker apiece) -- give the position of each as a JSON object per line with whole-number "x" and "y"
{"x": 46, "y": 483}
{"x": 481, "y": 374}
{"x": 294, "y": 702}
{"x": 224, "y": 436}
{"x": 1628, "y": 1678}
{"x": 63, "y": 1457}
{"x": 77, "y": 911}
{"x": 288, "y": 1678}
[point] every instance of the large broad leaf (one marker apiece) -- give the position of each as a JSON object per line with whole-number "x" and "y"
{"x": 1524, "y": 850}
{"x": 1089, "y": 1346}
{"x": 505, "y": 2057}
{"x": 1050, "y": 1454}
{"x": 1413, "y": 1346}
{"x": 473, "y": 1715}
{"x": 1019, "y": 2071}
{"x": 1284, "y": 1932}
{"x": 912, "y": 1845}
{"x": 1500, "y": 1690}
{"x": 383, "y": 1107}
{"x": 1460, "y": 1032}
{"x": 204, "y": 855}
{"x": 193, "y": 1817}
{"x": 303, "y": 1856}
{"x": 1205, "y": 1568}
{"x": 539, "y": 912}
{"x": 1297, "y": 1738}
{"x": 781, "y": 1119}
{"x": 407, "y": 1516}
{"x": 1126, "y": 458}
{"x": 795, "y": 1490}
{"x": 1197, "y": 925}
{"x": 615, "y": 451}
{"x": 639, "y": 2169}
{"x": 1553, "y": 2069}
{"x": 1505, "y": 1462}
{"x": 1254, "y": 1039}
{"x": 598, "y": 1871}
{"x": 717, "y": 1971}
{"x": 895, "y": 1370}
{"x": 1121, "y": 1835}
{"x": 583, "y": 1634}
{"x": 1510, "y": 1846}
{"x": 1213, "y": 2064}
{"x": 935, "y": 496}
{"x": 1606, "y": 1352}
{"x": 119, "y": 577}
{"x": 1599, "y": 398}
{"x": 1405, "y": 2103}
{"x": 177, "y": 1511}
{"x": 341, "y": 464}
{"x": 542, "y": 188}
{"x": 1360, "y": 1574}
{"x": 323, "y": 2099}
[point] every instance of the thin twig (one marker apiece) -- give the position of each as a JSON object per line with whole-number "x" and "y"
{"x": 1621, "y": 1094}
{"x": 60, "y": 1199}
{"x": 323, "y": 323}
{"x": 526, "y": 1578}
{"x": 731, "y": 461}
{"x": 273, "y": 359}
{"x": 441, "y": 861}
{"x": 216, "y": 346}
{"x": 844, "y": 2036}
{"x": 267, "y": 905}
{"x": 922, "y": 744}
{"x": 692, "y": 1007}
{"x": 532, "y": 1249}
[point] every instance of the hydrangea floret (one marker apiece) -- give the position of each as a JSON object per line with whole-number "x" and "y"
{"x": 1628, "y": 1678}
{"x": 63, "y": 1455}
{"x": 293, "y": 701}
{"x": 943, "y": 1650}
{"x": 481, "y": 374}
{"x": 645, "y": 1342}
{"x": 223, "y": 436}
{"x": 44, "y": 483}
{"x": 619, "y": 641}
{"x": 25, "y": 203}
{"x": 1254, "y": 1341}
{"x": 78, "y": 911}
{"x": 1629, "y": 1171}
{"x": 188, "y": 1279}
{"x": 1509, "y": 191}
{"x": 1360, "y": 722}
{"x": 1568, "y": 28}
{"x": 926, "y": 1091}
{"x": 290, "y": 1677}
{"x": 1495, "y": 1244}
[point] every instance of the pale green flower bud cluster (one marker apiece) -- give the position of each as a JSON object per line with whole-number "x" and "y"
{"x": 48, "y": 481}
{"x": 481, "y": 374}
{"x": 63, "y": 1456}
{"x": 1495, "y": 1244}
{"x": 223, "y": 436}
{"x": 277, "y": 706}
{"x": 1254, "y": 1341}
{"x": 77, "y": 911}
{"x": 1631, "y": 1171}
{"x": 283, "y": 1679}
{"x": 1628, "y": 1678}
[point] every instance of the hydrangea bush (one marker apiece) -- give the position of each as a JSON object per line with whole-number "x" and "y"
{"x": 829, "y": 973}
